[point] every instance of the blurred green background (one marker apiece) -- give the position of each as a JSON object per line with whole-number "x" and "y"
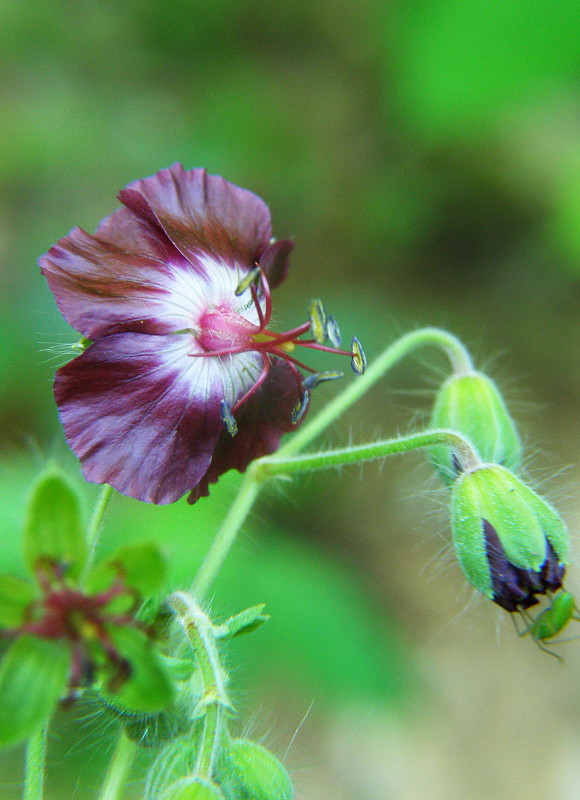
{"x": 425, "y": 156}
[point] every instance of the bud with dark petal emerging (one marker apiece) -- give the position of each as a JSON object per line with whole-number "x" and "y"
{"x": 511, "y": 544}
{"x": 471, "y": 404}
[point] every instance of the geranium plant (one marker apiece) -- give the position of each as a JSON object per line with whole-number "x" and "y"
{"x": 180, "y": 376}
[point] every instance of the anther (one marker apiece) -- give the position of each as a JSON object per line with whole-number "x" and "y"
{"x": 333, "y": 330}
{"x": 300, "y": 408}
{"x": 358, "y": 361}
{"x": 318, "y": 321}
{"x": 251, "y": 277}
{"x": 320, "y": 377}
{"x": 228, "y": 419}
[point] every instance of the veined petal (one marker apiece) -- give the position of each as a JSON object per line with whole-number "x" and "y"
{"x": 143, "y": 415}
{"x": 274, "y": 261}
{"x": 262, "y": 420}
{"x": 101, "y": 289}
{"x": 202, "y": 213}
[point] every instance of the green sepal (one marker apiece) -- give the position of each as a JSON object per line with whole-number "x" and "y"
{"x": 141, "y": 566}
{"x": 192, "y": 789}
{"x": 149, "y": 686}
{"x": 247, "y": 770}
{"x": 33, "y": 677}
{"x": 472, "y": 405}
{"x": 16, "y": 594}
{"x": 53, "y": 529}
{"x": 522, "y": 520}
{"x": 244, "y": 622}
{"x": 174, "y": 761}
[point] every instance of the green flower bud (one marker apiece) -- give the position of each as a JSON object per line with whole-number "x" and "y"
{"x": 249, "y": 771}
{"x": 511, "y": 544}
{"x": 192, "y": 789}
{"x": 472, "y": 405}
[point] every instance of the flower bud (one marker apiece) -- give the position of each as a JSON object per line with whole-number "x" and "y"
{"x": 472, "y": 405}
{"x": 192, "y": 789}
{"x": 248, "y": 770}
{"x": 511, "y": 544}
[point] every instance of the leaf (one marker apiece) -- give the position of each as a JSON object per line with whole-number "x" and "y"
{"x": 142, "y": 567}
{"x": 244, "y": 622}
{"x": 33, "y": 677}
{"x": 16, "y": 594}
{"x": 53, "y": 527}
{"x": 149, "y": 686}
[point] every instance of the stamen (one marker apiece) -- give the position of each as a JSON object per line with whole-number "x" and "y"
{"x": 300, "y": 408}
{"x": 261, "y": 378}
{"x": 251, "y": 277}
{"x": 359, "y": 360}
{"x": 318, "y": 321}
{"x": 228, "y": 419}
{"x": 333, "y": 330}
{"x": 320, "y": 377}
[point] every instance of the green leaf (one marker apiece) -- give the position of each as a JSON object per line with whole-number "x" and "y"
{"x": 53, "y": 527}
{"x": 244, "y": 622}
{"x": 149, "y": 686}
{"x": 142, "y": 567}
{"x": 16, "y": 594}
{"x": 33, "y": 677}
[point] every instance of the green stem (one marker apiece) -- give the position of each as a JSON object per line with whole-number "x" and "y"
{"x": 256, "y": 474}
{"x": 214, "y": 701}
{"x": 227, "y": 533}
{"x": 95, "y": 524}
{"x": 119, "y": 769}
{"x": 454, "y": 349}
{"x": 275, "y": 465}
{"x": 34, "y": 765}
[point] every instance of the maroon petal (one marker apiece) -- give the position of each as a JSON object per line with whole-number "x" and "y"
{"x": 141, "y": 415}
{"x": 202, "y": 213}
{"x": 274, "y": 261}
{"x": 262, "y": 420}
{"x": 101, "y": 289}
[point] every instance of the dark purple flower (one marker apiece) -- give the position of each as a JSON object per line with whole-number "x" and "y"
{"x": 183, "y": 379}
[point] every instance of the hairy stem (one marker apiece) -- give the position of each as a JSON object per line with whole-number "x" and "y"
{"x": 434, "y": 337}
{"x": 34, "y": 765}
{"x": 466, "y": 453}
{"x": 227, "y": 533}
{"x": 119, "y": 769}
{"x": 214, "y": 700}
{"x": 258, "y": 471}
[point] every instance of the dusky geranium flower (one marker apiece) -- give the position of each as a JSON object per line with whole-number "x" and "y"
{"x": 183, "y": 378}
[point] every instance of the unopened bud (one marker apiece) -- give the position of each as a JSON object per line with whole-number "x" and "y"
{"x": 250, "y": 771}
{"x": 192, "y": 789}
{"x": 472, "y": 405}
{"x": 511, "y": 543}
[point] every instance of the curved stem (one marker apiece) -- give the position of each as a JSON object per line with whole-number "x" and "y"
{"x": 95, "y": 524}
{"x": 262, "y": 469}
{"x": 227, "y": 533}
{"x": 119, "y": 769}
{"x": 34, "y": 765}
{"x": 274, "y": 465}
{"x": 456, "y": 352}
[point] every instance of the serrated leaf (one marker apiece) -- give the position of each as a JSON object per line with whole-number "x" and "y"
{"x": 53, "y": 528}
{"x": 149, "y": 686}
{"x": 141, "y": 566}
{"x": 16, "y": 594}
{"x": 33, "y": 677}
{"x": 244, "y": 622}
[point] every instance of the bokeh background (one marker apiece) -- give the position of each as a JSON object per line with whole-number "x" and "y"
{"x": 425, "y": 156}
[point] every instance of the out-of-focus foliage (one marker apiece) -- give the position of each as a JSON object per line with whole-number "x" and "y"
{"x": 425, "y": 155}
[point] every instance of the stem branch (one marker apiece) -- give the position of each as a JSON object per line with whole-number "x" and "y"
{"x": 34, "y": 765}
{"x": 119, "y": 768}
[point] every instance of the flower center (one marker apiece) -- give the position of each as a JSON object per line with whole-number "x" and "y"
{"x": 222, "y": 330}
